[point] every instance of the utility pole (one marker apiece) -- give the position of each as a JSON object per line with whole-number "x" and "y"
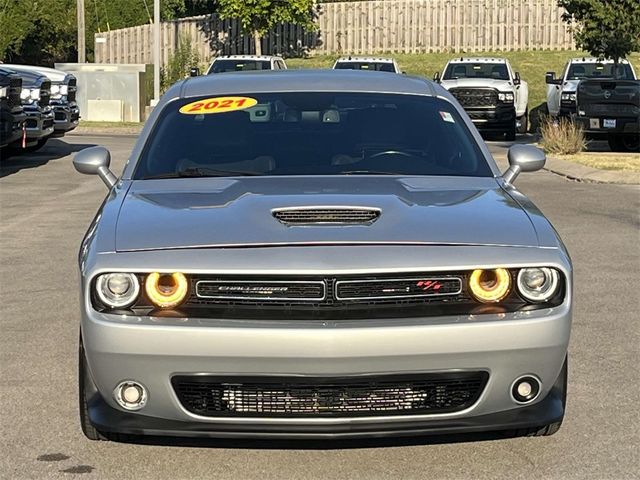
{"x": 82, "y": 50}
{"x": 156, "y": 50}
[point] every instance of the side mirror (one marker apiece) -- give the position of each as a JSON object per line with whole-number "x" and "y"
{"x": 194, "y": 72}
{"x": 95, "y": 161}
{"x": 516, "y": 80}
{"x": 550, "y": 78}
{"x": 523, "y": 158}
{"x": 436, "y": 77}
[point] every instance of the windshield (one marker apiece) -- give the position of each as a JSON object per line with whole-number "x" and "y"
{"x": 310, "y": 133}
{"x": 497, "y": 71}
{"x": 222, "y": 66}
{"x": 376, "y": 66}
{"x": 578, "y": 71}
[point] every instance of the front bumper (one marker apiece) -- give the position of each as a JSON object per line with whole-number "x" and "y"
{"x": 38, "y": 125}
{"x": 501, "y": 118}
{"x": 152, "y": 350}
{"x": 602, "y": 126}
{"x": 66, "y": 117}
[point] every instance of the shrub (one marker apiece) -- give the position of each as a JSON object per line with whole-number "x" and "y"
{"x": 562, "y": 136}
{"x": 179, "y": 64}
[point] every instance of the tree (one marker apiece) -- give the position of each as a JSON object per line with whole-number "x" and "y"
{"x": 258, "y": 17}
{"x": 608, "y": 29}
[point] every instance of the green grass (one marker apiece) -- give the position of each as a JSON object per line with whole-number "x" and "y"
{"x": 532, "y": 65}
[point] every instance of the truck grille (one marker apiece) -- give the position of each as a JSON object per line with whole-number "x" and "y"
{"x": 72, "y": 90}
{"x": 326, "y": 215}
{"x": 13, "y": 96}
{"x": 475, "y": 97}
{"x": 612, "y": 109}
{"x": 345, "y": 396}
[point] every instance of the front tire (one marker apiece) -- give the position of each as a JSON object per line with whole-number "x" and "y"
{"x": 524, "y": 122}
{"x": 624, "y": 143}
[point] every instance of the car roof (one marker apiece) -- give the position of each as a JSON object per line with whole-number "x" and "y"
{"x": 247, "y": 57}
{"x": 478, "y": 60}
{"x": 365, "y": 59}
{"x": 594, "y": 60}
{"x": 304, "y": 81}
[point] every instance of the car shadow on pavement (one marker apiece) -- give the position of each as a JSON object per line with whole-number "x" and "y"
{"x": 55, "y": 149}
{"x": 302, "y": 444}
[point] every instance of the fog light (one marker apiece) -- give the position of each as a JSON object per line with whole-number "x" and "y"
{"x": 130, "y": 395}
{"x": 490, "y": 286}
{"x": 525, "y": 389}
{"x": 166, "y": 290}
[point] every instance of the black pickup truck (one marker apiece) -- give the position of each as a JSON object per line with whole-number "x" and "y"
{"x": 12, "y": 115}
{"x": 610, "y": 109}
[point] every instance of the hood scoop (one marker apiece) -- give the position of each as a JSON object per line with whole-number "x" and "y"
{"x": 333, "y": 215}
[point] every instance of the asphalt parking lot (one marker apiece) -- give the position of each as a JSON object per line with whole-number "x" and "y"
{"x": 45, "y": 208}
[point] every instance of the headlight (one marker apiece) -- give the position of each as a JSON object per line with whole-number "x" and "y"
{"x": 166, "y": 290}
{"x": 55, "y": 89}
{"x": 30, "y": 94}
{"x": 59, "y": 89}
{"x": 538, "y": 284}
{"x": 117, "y": 290}
{"x": 490, "y": 286}
{"x": 505, "y": 97}
{"x": 569, "y": 97}
{"x": 3, "y": 92}
{"x": 64, "y": 89}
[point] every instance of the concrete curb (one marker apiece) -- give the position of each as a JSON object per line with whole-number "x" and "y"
{"x": 106, "y": 131}
{"x": 582, "y": 173}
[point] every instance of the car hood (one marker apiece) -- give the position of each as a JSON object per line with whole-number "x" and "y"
{"x": 501, "y": 85}
{"x": 51, "y": 73}
{"x": 570, "y": 86}
{"x": 224, "y": 212}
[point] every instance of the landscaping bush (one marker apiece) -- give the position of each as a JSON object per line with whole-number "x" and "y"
{"x": 180, "y": 63}
{"x": 562, "y": 136}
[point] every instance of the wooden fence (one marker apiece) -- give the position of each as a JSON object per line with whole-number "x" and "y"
{"x": 364, "y": 27}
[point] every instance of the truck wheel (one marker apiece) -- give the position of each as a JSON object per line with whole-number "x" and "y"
{"x": 510, "y": 135}
{"x": 624, "y": 143}
{"x": 87, "y": 428}
{"x": 524, "y": 122}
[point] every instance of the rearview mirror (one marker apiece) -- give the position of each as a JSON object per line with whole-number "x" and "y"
{"x": 550, "y": 78}
{"x": 523, "y": 158}
{"x": 436, "y": 77}
{"x": 95, "y": 161}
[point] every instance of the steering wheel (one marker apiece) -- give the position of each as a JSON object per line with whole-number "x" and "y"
{"x": 391, "y": 152}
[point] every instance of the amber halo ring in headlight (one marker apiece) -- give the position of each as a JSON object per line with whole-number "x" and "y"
{"x": 166, "y": 290}
{"x": 117, "y": 290}
{"x": 538, "y": 284}
{"x": 490, "y": 286}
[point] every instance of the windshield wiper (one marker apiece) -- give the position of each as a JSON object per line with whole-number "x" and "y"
{"x": 193, "y": 172}
{"x": 368, "y": 172}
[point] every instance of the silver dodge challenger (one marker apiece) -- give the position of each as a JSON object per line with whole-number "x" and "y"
{"x": 319, "y": 254}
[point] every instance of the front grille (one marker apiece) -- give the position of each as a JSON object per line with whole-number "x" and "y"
{"x": 261, "y": 290}
{"x": 475, "y": 97}
{"x": 45, "y": 94}
{"x": 326, "y": 215}
{"x": 613, "y": 109}
{"x": 13, "y": 96}
{"x": 215, "y": 396}
{"x": 60, "y": 116}
{"x": 398, "y": 288}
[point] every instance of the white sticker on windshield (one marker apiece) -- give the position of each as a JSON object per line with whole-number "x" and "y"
{"x": 447, "y": 117}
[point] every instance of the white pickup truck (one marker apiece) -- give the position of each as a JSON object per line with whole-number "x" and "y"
{"x": 492, "y": 94}
{"x": 562, "y": 92}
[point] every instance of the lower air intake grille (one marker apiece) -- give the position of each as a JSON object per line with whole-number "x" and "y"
{"x": 326, "y": 215}
{"x": 345, "y": 396}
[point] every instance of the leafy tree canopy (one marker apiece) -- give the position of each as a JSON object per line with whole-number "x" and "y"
{"x": 44, "y": 31}
{"x": 605, "y": 28}
{"x": 257, "y": 17}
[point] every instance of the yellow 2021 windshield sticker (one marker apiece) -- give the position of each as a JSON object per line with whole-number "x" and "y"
{"x": 218, "y": 105}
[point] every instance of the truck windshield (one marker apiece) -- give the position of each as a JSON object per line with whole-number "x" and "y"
{"x": 310, "y": 133}
{"x": 222, "y": 66}
{"x": 377, "y": 66}
{"x": 578, "y": 71}
{"x": 497, "y": 71}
